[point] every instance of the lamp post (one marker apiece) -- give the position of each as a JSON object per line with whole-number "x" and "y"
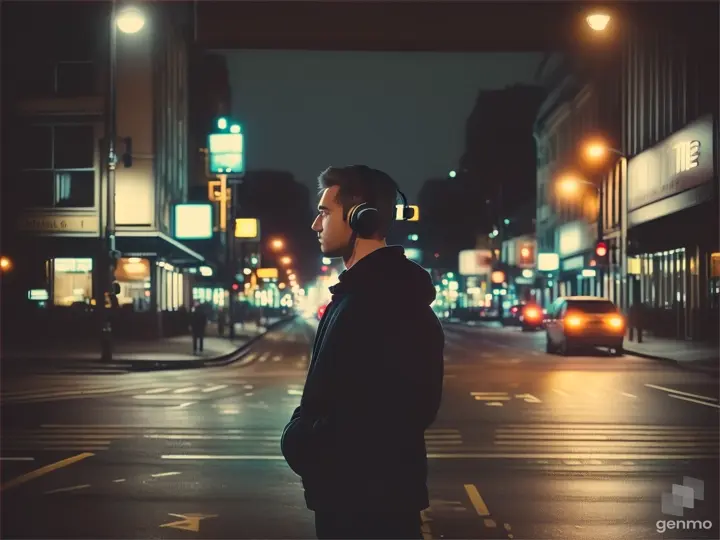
{"x": 597, "y": 151}
{"x": 128, "y": 20}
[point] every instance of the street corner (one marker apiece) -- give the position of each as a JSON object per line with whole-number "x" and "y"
{"x": 461, "y": 511}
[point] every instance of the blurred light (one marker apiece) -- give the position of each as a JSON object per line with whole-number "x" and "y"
{"x": 413, "y": 237}
{"x": 277, "y": 244}
{"x": 573, "y": 321}
{"x": 206, "y": 271}
{"x": 569, "y": 185}
{"x": 254, "y": 260}
{"x": 234, "y": 128}
{"x": 527, "y": 273}
{"x": 452, "y": 174}
{"x": 595, "y": 151}
{"x": 497, "y": 277}
{"x": 525, "y": 252}
{"x": 450, "y": 275}
{"x": 506, "y": 221}
{"x": 588, "y": 272}
{"x": 222, "y": 123}
{"x": 5, "y": 264}
{"x": 235, "y": 286}
{"x": 326, "y": 260}
{"x": 247, "y": 271}
{"x": 130, "y": 20}
{"x": 616, "y": 322}
{"x": 601, "y": 249}
{"x": 598, "y": 21}
{"x": 324, "y": 268}
{"x": 437, "y": 255}
{"x": 285, "y": 260}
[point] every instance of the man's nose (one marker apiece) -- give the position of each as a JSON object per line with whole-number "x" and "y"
{"x": 316, "y": 225}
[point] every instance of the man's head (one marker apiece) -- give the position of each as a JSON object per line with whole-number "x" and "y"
{"x": 341, "y": 188}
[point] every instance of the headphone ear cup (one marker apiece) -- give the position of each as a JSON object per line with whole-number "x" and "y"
{"x": 365, "y": 221}
{"x": 408, "y": 213}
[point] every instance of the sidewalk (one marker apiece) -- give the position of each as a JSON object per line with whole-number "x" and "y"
{"x": 690, "y": 354}
{"x": 167, "y": 351}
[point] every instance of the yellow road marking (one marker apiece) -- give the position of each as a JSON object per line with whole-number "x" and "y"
{"x": 490, "y": 523}
{"x": 44, "y": 470}
{"x": 476, "y": 500}
{"x": 189, "y": 522}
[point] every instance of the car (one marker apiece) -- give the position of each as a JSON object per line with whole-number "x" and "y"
{"x": 512, "y": 318}
{"x": 576, "y": 322}
{"x": 531, "y": 317}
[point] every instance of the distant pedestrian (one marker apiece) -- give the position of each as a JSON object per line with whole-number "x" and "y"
{"x": 221, "y": 322}
{"x": 198, "y": 323}
{"x": 375, "y": 379}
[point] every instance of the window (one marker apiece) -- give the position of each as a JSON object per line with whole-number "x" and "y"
{"x": 57, "y": 164}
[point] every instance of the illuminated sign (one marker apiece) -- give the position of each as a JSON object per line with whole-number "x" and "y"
{"x": 475, "y": 262}
{"x": 226, "y": 153}
{"x": 548, "y": 262}
{"x": 589, "y": 272}
{"x": 38, "y": 295}
{"x": 399, "y": 212}
{"x": 59, "y": 224}
{"x": 193, "y": 221}
{"x": 247, "y": 228}
{"x": 267, "y": 273}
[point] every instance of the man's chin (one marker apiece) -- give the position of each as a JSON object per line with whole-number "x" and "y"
{"x": 332, "y": 252}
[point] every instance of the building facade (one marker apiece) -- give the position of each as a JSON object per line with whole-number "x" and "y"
{"x": 57, "y": 165}
{"x": 652, "y": 99}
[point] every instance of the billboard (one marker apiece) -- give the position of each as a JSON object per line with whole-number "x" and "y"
{"x": 475, "y": 262}
{"x": 226, "y": 153}
{"x": 193, "y": 221}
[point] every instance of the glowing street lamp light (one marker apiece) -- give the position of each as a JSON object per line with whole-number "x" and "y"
{"x": 130, "y": 20}
{"x": 569, "y": 185}
{"x": 277, "y": 244}
{"x": 598, "y": 22}
{"x": 285, "y": 260}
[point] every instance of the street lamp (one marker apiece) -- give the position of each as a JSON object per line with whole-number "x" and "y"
{"x": 277, "y": 244}
{"x": 285, "y": 260}
{"x": 128, "y": 20}
{"x": 5, "y": 264}
{"x": 569, "y": 185}
{"x": 452, "y": 174}
{"x": 598, "y": 21}
{"x": 597, "y": 150}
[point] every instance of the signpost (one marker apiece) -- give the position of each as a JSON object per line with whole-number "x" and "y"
{"x": 226, "y": 159}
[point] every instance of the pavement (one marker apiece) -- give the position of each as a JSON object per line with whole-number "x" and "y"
{"x": 167, "y": 353}
{"x": 526, "y": 446}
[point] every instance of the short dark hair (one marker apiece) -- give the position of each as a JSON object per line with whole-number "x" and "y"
{"x": 357, "y": 184}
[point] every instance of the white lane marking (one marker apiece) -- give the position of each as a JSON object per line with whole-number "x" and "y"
{"x": 561, "y": 392}
{"x": 277, "y": 358}
{"x": 220, "y": 457}
{"x": 182, "y": 405}
{"x": 157, "y": 390}
{"x": 673, "y": 391}
{"x": 160, "y": 475}
{"x": 249, "y": 358}
{"x": 215, "y": 437}
{"x": 71, "y": 488}
{"x": 628, "y": 395}
{"x": 17, "y": 459}
{"x": 600, "y": 426}
{"x": 264, "y": 357}
{"x": 695, "y": 401}
{"x": 214, "y": 388}
{"x": 185, "y": 390}
{"x": 119, "y": 480}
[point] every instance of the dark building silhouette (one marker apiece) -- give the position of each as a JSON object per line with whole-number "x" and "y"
{"x": 283, "y": 207}
{"x": 497, "y": 169}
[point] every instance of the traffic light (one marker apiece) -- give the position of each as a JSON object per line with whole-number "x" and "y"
{"x": 235, "y": 286}
{"x": 601, "y": 253}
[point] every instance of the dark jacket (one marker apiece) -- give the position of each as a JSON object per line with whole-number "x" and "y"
{"x": 373, "y": 387}
{"x": 198, "y": 320}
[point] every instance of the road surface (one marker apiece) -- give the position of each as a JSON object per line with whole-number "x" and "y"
{"x": 526, "y": 446}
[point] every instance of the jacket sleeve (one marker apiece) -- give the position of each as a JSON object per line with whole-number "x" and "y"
{"x": 293, "y": 442}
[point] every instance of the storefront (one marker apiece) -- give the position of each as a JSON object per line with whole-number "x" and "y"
{"x": 673, "y": 234}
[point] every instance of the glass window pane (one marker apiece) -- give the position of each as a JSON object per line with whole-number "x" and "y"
{"x": 74, "y": 147}
{"x": 75, "y": 79}
{"x": 75, "y": 189}
{"x": 34, "y": 148}
{"x": 38, "y": 187}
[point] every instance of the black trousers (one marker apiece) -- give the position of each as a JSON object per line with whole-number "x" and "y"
{"x": 198, "y": 340}
{"x": 368, "y": 525}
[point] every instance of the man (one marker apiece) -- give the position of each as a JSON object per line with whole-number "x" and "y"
{"x": 375, "y": 379}
{"x": 198, "y": 323}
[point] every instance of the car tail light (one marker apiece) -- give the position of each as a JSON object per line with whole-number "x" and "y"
{"x": 573, "y": 321}
{"x": 514, "y": 310}
{"x": 616, "y": 322}
{"x": 532, "y": 313}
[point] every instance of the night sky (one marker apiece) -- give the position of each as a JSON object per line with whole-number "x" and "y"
{"x": 404, "y": 113}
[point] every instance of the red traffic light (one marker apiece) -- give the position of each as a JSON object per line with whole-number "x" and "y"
{"x": 324, "y": 268}
{"x": 235, "y": 286}
{"x": 601, "y": 249}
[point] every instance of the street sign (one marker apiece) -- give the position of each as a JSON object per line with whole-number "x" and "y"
{"x": 267, "y": 273}
{"x": 193, "y": 221}
{"x": 247, "y": 228}
{"x": 399, "y": 212}
{"x": 227, "y": 152}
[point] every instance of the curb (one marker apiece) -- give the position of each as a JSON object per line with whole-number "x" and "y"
{"x": 168, "y": 365}
{"x": 680, "y": 365}
{"x": 224, "y": 360}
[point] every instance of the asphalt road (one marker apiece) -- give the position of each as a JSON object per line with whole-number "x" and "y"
{"x": 527, "y": 446}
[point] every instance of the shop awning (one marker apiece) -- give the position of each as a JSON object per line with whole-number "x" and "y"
{"x": 154, "y": 243}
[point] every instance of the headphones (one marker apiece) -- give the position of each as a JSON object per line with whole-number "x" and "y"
{"x": 364, "y": 219}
